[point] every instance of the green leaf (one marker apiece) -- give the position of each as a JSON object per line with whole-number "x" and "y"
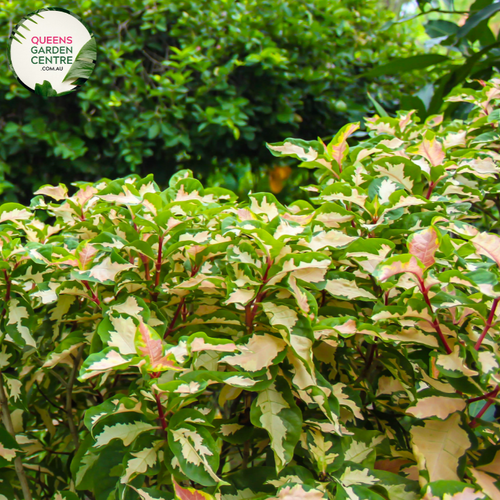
{"x": 477, "y": 18}
{"x": 84, "y": 62}
{"x": 401, "y": 65}
{"x": 45, "y": 90}
{"x": 437, "y": 28}
{"x": 378, "y": 108}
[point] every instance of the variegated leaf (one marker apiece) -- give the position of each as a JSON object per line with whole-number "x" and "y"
{"x": 275, "y": 411}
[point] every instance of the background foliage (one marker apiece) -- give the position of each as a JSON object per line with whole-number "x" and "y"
{"x": 466, "y": 37}
{"x": 179, "y": 343}
{"x": 197, "y": 84}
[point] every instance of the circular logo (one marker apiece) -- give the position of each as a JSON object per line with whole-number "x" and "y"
{"x": 52, "y": 52}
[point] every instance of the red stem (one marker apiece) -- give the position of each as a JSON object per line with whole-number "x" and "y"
{"x": 248, "y": 316}
{"x": 95, "y": 298}
{"x": 174, "y": 319}
{"x": 435, "y": 322}
{"x": 489, "y": 322}
{"x": 371, "y": 355}
{"x": 484, "y": 396}
{"x": 251, "y": 308}
{"x": 161, "y": 413}
{"x": 145, "y": 261}
{"x": 488, "y": 403}
{"x": 429, "y": 191}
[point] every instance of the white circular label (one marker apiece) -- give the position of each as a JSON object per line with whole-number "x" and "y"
{"x": 52, "y": 52}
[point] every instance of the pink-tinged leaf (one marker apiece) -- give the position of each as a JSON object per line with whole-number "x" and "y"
{"x": 84, "y": 195}
{"x": 14, "y": 212}
{"x": 338, "y": 146}
{"x": 148, "y": 343}
{"x": 190, "y": 493}
{"x": 86, "y": 255}
{"x": 57, "y": 192}
{"x": 432, "y": 150}
{"x": 489, "y": 245}
{"x": 487, "y": 483}
{"x": 405, "y": 120}
{"x": 245, "y": 214}
{"x": 423, "y": 245}
{"x": 405, "y": 263}
{"x": 297, "y": 492}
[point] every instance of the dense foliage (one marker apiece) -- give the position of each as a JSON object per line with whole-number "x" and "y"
{"x": 470, "y": 50}
{"x": 195, "y": 84}
{"x": 181, "y": 343}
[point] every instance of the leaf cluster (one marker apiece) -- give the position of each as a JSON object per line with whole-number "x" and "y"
{"x": 177, "y": 343}
{"x": 468, "y": 45}
{"x": 195, "y": 84}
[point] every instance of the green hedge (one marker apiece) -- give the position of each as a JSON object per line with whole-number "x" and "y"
{"x": 196, "y": 84}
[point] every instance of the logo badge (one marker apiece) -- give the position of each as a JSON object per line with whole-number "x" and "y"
{"x": 52, "y": 52}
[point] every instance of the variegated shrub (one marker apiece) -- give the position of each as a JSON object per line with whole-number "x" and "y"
{"x": 179, "y": 344}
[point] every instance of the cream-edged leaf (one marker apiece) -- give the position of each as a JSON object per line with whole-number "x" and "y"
{"x": 489, "y": 245}
{"x": 107, "y": 270}
{"x": 258, "y": 353}
{"x": 139, "y": 464}
{"x": 125, "y": 432}
{"x": 438, "y": 446}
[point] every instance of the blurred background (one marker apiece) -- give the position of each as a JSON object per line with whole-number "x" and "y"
{"x": 204, "y": 84}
